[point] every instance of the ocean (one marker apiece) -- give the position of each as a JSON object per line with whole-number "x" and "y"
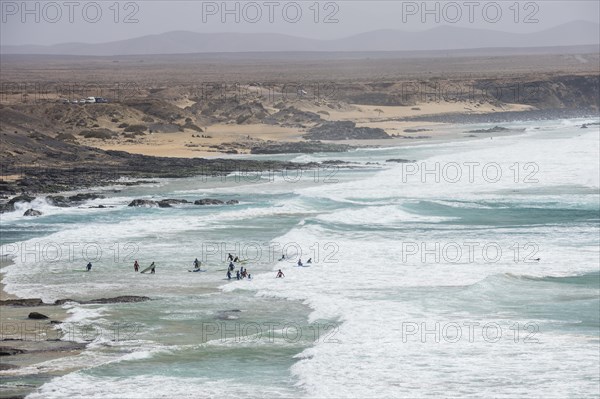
{"x": 472, "y": 271}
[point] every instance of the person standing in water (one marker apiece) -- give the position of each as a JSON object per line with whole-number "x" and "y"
{"x": 228, "y": 274}
{"x": 136, "y": 266}
{"x": 153, "y": 270}
{"x": 280, "y": 274}
{"x": 197, "y": 263}
{"x": 89, "y": 266}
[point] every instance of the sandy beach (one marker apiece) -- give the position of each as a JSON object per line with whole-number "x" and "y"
{"x": 190, "y": 143}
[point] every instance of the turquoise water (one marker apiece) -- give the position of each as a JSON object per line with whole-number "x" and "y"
{"x": 419, "y": 287}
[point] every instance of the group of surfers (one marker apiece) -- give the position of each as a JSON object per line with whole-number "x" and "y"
{"x": 240, "y": 274}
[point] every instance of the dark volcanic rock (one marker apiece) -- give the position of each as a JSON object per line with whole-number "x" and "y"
{"x": 344, "y": 130}
{"x": 232, "y": 202}
{"x": 143, "y": 203}
{"x": 117, "y": 299}
{"x": 85, "y": 197}
{"x": 399, "y": 160}
{"x": 10, "y": 205}
{"x": 32, "y": 212}
{"x": 64, "y": 202}
{"x": 227, "y": 314}
{"x": 302, "y": 147}
{"x": 36, "y": 315}
{"x": 21, "y": 198}
{"x": 6, "y": 351}
{"x": 22, "y": 302}
{"x": 208, "y": 201}
{"x": 416, "y": 130}
{"x": 494, "y": 129}
{"x": 166, "y": 203}
{"x": 586, "y": 125}
{"x": 58, "y": 200}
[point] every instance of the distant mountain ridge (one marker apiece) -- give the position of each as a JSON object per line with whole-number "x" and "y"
{"x": 439, "y": 38}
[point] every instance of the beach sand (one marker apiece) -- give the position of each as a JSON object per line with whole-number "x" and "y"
{"x": 191, "y": 144}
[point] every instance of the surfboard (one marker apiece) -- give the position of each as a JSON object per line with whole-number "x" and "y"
{"x": 147, "y": 269}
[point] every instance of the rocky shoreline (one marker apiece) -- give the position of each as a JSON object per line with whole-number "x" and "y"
{"x": 28, "y": 302}
{"x": 30, "y": 338}
{"x": 32, "y": 180}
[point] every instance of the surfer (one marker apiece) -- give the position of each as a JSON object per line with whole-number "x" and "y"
{"x": 282, "y": 257}
{"x": 197, "y": 263}
{"x": 280, "y": 274}
{"x": 153, "y": 266}
{"x": 230, "y": 257}
{"x": 236, "y": 259}
{"x": 89, "y": 266}
{"x": 309, "y": 261}
{"x": 299, "y": 262}
{"x": 231, "y": 266}
{"x": 237, "y": 274}
{"x": 249, "y": 276}
{"x": 228, "y": 274}
{"x": 136, "y": 266}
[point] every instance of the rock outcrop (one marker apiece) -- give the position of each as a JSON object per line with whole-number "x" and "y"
{"x": 344, "y": 130}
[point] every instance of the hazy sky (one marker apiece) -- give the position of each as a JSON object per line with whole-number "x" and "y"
{"x": 51, "y": 22}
